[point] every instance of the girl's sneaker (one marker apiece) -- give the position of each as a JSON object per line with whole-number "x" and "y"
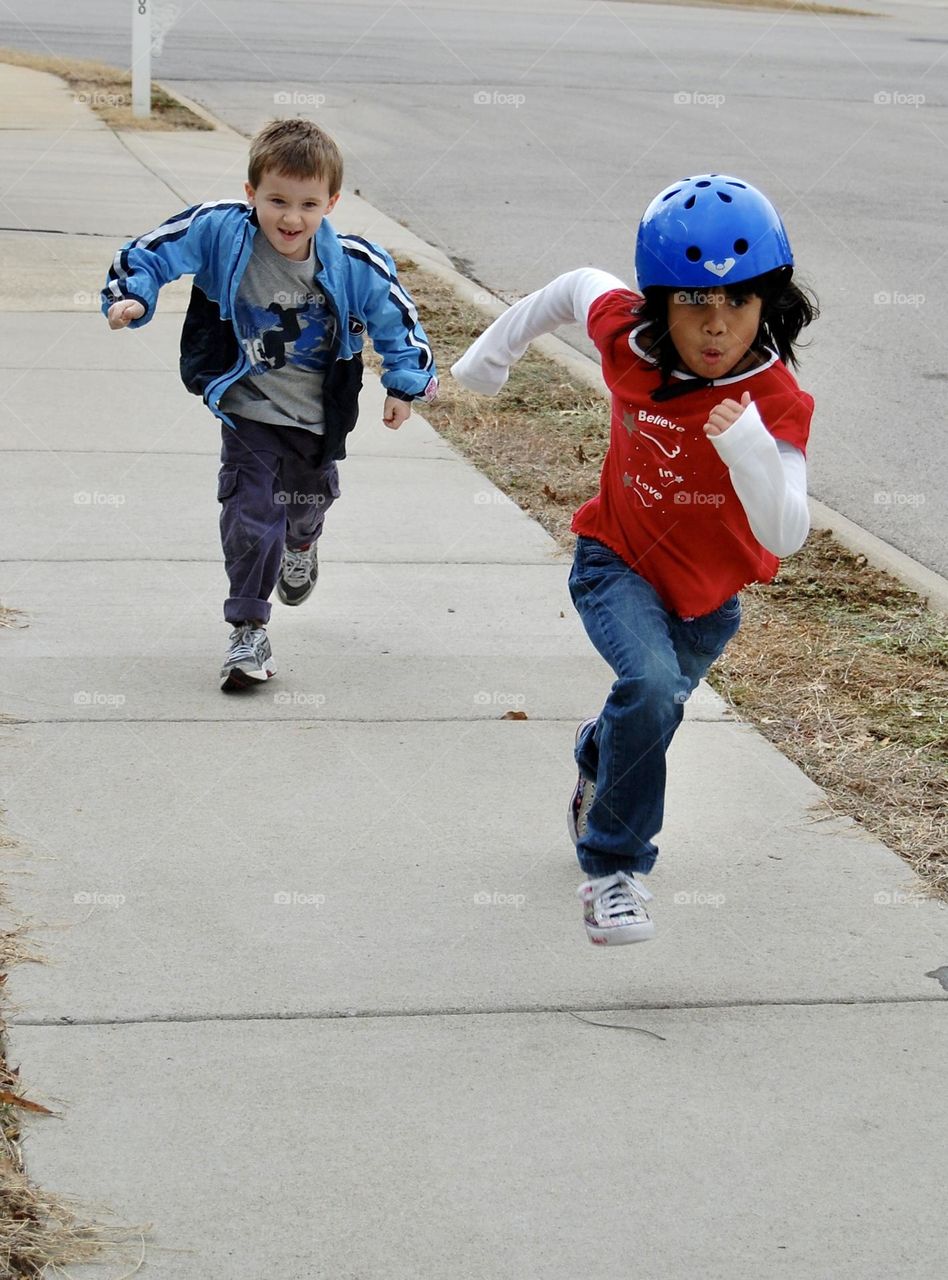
{"x": 583, "y": 795}
{"x": 249, "y": 657}
{"x": 614, "y": 909}
{"x": 299, "y": 570}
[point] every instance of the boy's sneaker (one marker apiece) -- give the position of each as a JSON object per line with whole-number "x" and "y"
{"x": 248, "y": 659}
{"x": 583, "y": 795}
{"x": 614, "y": 909}
{"x": 298, "y": 573}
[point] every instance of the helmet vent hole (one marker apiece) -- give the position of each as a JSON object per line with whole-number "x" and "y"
{"x": 703, "y": 184}
{"x": 693, "y": 253}
{"x": 690, "y": 202}
{"x": 723, "y": 195}
{"x": 740, "y": 246}
{"x": 742, "y": 185}
{"x": 670, "y": 194}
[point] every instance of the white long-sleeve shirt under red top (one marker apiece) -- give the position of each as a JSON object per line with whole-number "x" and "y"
{"x": 699, "y": 517}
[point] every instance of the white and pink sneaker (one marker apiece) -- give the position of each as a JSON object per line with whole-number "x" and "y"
{"x": 614, "y": 910}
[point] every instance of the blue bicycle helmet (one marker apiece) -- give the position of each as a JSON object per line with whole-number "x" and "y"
{"x": 712, "y": 229}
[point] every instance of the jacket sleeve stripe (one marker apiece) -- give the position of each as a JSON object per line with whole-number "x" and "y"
{"x": 410, "y": 316}
{"x": 356, "y": 247}
{"x": 167, "y": 232}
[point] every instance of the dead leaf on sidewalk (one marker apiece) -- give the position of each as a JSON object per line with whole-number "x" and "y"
{"x": 515, "y": 715}
{"x": 14, "y": 1100}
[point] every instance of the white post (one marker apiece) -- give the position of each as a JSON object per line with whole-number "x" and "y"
{"x": 141, "y": 57}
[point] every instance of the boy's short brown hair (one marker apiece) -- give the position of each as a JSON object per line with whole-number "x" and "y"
{"x": 297, "y": 149}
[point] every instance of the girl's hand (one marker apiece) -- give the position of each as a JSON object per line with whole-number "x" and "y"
{"x": 395, "y": 412}
{"x": 724, "y": 414}
{"x": 123, "y": 313}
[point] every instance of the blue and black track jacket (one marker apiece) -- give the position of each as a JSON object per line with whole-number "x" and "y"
{"x": 213, "y": 242}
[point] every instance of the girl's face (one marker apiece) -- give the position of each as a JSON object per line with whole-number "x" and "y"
{"x": 711, "y": 330}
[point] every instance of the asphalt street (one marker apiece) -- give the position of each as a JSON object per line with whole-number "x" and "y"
{"x": 525, "y": 139}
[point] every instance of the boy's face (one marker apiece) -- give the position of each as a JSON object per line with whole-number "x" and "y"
{"x": 290, "y": 210}
{"x": 711, "y": 330}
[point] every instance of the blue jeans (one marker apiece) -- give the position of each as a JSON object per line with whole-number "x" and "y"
{"x": 658, "y": 659}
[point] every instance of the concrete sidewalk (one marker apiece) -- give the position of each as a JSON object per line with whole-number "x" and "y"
{"x": 320, "y": 1002}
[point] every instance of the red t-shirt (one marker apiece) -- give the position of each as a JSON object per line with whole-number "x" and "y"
{"x": 666, "y": 503}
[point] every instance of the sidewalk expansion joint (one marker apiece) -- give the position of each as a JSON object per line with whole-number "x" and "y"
{"x": 448, "y": 564}
{"x": 12, "y": 721}
{"x": 452, "y": 1011}
{"x": 58, "y": 231}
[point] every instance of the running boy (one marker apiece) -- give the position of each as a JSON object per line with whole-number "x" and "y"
{"x": 272, "y": 340}
{"x": 702, "y": 488}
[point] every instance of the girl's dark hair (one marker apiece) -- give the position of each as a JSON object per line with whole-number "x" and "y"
{"x": 788, "y": 308}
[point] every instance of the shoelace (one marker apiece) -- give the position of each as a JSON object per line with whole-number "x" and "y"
{"x": 297, "y": 566}
{"x": 619, "y": 895}
{"x": 242, "y": 646}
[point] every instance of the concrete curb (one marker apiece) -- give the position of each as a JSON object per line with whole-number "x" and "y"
{"x": 399, "y": 240}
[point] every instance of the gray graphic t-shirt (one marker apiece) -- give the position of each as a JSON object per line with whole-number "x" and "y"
{"x": 287, "y": 331}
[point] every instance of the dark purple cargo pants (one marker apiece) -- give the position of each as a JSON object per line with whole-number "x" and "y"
{"x": 273, "y": 487}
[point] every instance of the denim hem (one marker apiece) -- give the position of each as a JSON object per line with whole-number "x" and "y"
{"x": 594, "y": 866}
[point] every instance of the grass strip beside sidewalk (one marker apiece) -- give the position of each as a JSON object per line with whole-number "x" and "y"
{"x": 839, "y": 665}
{"x": 108, "y": 92}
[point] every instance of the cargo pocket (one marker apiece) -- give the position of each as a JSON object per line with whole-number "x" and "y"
{"x": 226, "y": 483}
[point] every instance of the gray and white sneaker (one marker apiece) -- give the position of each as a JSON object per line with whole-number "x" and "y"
{"x": 583, "y": 795}
{"x": 614, "y": 909}
{"x": 299, "y": 570}
{"x": 249, "y": 657}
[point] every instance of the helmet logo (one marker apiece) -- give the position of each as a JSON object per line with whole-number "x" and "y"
{"x": 720, "y": 269}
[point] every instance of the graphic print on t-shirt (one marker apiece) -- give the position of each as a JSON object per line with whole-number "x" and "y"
{"x": 277, "y": 335}
{"x": 650, "y": 476}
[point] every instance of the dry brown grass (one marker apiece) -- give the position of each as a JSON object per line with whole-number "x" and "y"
{"x": 845, "y": 670}
{"x": 10, "y": 617}
{"x": 108, "y": 91}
